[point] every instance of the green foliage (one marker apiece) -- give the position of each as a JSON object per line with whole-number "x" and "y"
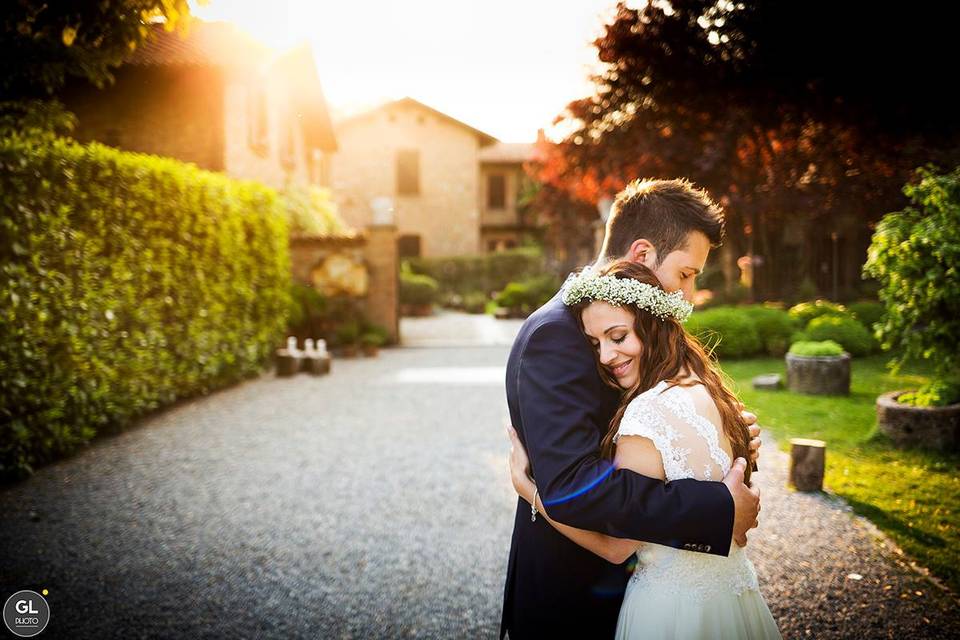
{"x": 912, "y": 495}
{"x": 126, "y": 282}
{"x": 915, "y": 256}
{"x": 417, "y": 289}
{"x": 311, "y": 211}
{"x": 348, "y": 333}
{"x": 729, "y": 331}
{"x": 807, "y": 311}
{"x": 41, "y": 43}
{"x": 527, "y": 296}
{"x": 373, "y": 335}
{"x": 485, "y": 273}
{"x": 846, "y": 331}
{"x": 938, "y": 393}
{"x": 35, "y": 119}
{"x": 816, "y": 349}
{"x": 774, "y": 327}
{"x": 867, "y": 312}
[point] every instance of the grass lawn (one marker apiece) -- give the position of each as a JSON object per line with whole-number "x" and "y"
{"x": 913, "y": 496}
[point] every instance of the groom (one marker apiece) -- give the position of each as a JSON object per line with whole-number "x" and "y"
{"x": 560, "y": 408}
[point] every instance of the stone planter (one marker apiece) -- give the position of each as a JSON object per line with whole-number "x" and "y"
{"x": 927, "y": 427}
{"x": 819, "y": 375}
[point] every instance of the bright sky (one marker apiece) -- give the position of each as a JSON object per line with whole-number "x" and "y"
{"x": 506, "y": 67}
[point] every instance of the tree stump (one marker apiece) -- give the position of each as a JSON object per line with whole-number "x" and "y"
{"x": 807, "y": 462}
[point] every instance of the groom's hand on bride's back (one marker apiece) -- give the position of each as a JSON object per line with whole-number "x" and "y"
{"x": 754, "y": 430}
{"x": 746, "y": 501}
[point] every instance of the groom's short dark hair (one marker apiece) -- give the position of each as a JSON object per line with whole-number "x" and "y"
{"x": 664, "y": 212}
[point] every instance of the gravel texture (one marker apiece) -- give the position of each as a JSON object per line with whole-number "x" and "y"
{"x": 373, "y": 502}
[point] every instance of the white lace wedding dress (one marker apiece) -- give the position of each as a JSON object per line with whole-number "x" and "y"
{"x": 678, "y": 593}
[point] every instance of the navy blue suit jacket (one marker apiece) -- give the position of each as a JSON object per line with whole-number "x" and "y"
{"x": 561, "y": 409}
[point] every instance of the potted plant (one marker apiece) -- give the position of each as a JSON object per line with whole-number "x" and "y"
{"x": 818, "y": 368}
{"x": 372, "y": 339}
{"x": 915, "y": 257}
{"x": 347, "y": 336}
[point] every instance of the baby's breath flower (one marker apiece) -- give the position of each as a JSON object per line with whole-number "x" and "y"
{"x": 587, "y": 285}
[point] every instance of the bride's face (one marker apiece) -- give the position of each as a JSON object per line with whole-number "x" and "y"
{"x": 610, "y": 330}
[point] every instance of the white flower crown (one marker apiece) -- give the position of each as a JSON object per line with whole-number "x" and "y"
{"x": 588, "y": 285}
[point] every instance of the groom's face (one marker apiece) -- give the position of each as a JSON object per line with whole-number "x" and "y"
{"x": 679, "y": 269}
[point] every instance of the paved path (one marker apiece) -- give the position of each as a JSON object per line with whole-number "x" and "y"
{"x": 369, "y": 503}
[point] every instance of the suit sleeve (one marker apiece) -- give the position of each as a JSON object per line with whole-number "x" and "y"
{"x": 556, "y": 390}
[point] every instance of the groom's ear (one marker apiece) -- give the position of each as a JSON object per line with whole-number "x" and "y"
{"x": 642, "y": 251}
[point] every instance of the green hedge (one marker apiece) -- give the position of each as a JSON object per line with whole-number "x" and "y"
{"x": 774, "y": 327}
{"x": 486, "y": 274}
{"x": 868, "y": 313}
{"x": 417, "y": 289}
{"x": 807, "y": 311}
{"x": 529, "y": 295}
{"x": 729, "y": 331}
{"x": 845, "y": 331}
{"x": 127, "y": 282}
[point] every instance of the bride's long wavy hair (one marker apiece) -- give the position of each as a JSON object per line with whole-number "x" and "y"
{"x": 669, "y": 353}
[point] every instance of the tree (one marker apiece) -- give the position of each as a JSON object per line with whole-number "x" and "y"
{"x": 41, "y": 43}
{"x": 915, "y": 255}
{"x": 813, "y": 114}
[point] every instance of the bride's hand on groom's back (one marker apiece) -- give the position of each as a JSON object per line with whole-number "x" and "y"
{"x": 746, "y": 501}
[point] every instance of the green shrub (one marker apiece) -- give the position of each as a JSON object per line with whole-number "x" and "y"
{"x": 807, "y": 311}
{"x": 868, "y": 313}
{"x": 527, "y": 296}
{"x": 417, "y": 289}
{"x": 811, "y": 349}
{"x": 846, "y": 331}
{"x": 373, "y": 335}
{"x": 774, "y": 327}
{"x": 347, "y": 333}
{"x": 938, "y": 393}
{"x": 487, "y": 273}
{"x": 311, "y": 210}
{"x": 727, "y": 330}
{"x": 307, "y": 305}
{"x": 475, "y": 302}
{"x": 915, "y": 257}
{"x": 127, "y": 282}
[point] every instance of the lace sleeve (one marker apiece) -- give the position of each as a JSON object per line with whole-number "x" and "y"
{"x": 688, "y": 442}
{"x": 644, "y": 417}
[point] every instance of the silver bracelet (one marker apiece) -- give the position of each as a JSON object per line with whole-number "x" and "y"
{"x": 533, "y": 506}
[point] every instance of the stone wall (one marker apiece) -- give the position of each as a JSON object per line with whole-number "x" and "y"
{"x": 366, "y": 263}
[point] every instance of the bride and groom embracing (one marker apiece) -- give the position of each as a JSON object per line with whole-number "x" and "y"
{"x": 629, "y": 453}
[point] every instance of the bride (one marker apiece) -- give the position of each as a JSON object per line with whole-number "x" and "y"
{"x": 676, "y": 420}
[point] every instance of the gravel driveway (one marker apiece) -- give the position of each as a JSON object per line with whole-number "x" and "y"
{"x": 373, "y": 502}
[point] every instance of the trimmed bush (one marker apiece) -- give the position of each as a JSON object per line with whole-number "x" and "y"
{"x": 527, "y": 296}
{"x": 462, "y": 275}
{"x": 868, "y": 313}
{"x": 807, "y": 311}
{"x": 417, "y": 289}
{"x": 846, "y": 331}
{"x": 127, "y": 282}
{"x": 774, "y": 327}
{"x": 816, "y": 349}
{"x": 727, "y": 330}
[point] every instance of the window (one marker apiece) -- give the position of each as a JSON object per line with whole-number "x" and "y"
{"x": 408, "y": 246}
{"x": 496, "y": 191}
{"x": 408, "y": 172}
{"x": 257, "y": 119}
